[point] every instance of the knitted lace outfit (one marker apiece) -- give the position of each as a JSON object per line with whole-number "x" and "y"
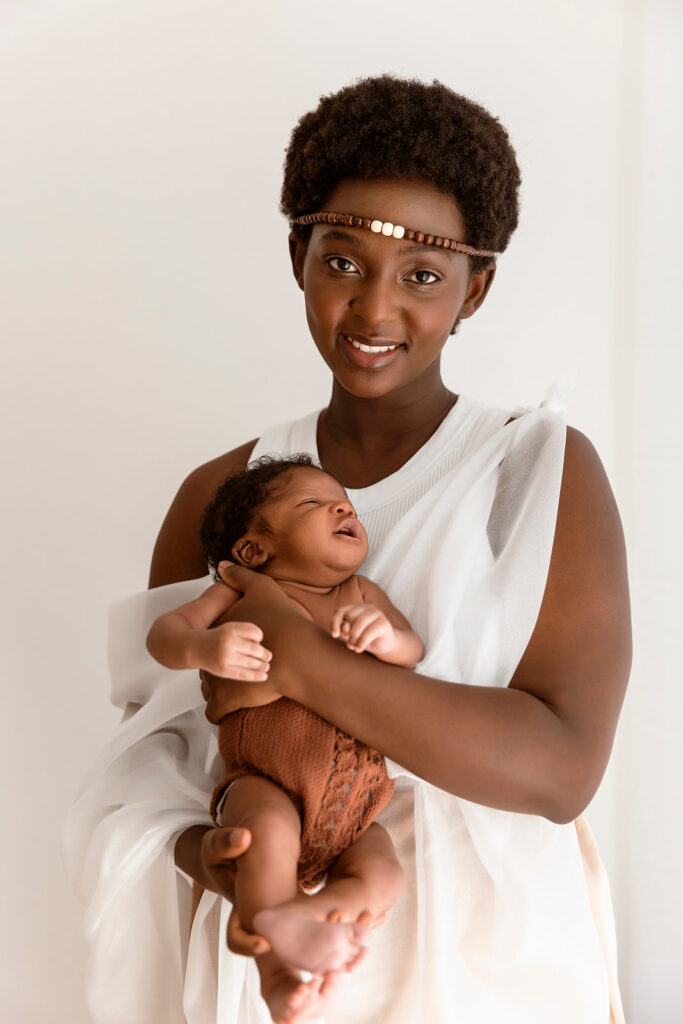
{"x": 337, "y": 784}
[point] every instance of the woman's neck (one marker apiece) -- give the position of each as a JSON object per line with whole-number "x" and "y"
{"x": 361, "y": 441}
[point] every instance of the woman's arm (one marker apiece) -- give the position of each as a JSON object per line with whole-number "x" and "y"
{"x": 178, "y": 551}
{"x": 541, "y": 745}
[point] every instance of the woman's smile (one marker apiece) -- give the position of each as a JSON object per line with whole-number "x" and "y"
{"x": 368, "y": 355}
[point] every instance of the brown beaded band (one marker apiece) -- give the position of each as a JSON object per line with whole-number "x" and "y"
{"x": 390, "y": 230}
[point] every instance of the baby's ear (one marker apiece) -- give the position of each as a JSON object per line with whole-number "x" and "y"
{"x": 249, "y": 553}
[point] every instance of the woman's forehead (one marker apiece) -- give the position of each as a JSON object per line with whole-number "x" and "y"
{"x": 409, "y": 201}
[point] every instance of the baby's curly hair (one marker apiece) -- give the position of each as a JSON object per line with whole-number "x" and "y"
{"x": 233, "y": 507}
{"x": 387, "y": 127}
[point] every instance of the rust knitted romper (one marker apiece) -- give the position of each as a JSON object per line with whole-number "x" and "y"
{"x": 337, "y": 784}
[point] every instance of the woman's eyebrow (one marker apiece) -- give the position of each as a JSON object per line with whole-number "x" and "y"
{"x": 335, "y": 235}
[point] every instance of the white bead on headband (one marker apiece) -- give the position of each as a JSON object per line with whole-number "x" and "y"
{"x": 390, "y": 230}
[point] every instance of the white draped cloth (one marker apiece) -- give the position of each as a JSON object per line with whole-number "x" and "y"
{"x": 506, "y": 916}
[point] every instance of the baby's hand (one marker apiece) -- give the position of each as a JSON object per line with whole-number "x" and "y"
{"x": 363, "y": 627}
{"x": 233, "y": 650}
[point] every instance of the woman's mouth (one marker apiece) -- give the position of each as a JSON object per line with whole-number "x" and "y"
{"x": 362, "y": 353}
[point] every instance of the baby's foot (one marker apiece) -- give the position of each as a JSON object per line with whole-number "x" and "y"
{"x": 291, "y": 1000}
{"x": 316, "y": 946}
{"x": 365, "y": 918}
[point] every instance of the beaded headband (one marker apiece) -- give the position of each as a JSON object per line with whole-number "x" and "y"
{"x": 390, "y": 230}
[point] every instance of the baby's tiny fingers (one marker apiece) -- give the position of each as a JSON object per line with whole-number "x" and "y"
{"x": 362, "y": 624}
{"x": 375, "y": 631}
{"x": 248, "y": 631}
{"x": 338, "y": 618}
{"x": 251, "y": 650}
{"x": 247, "y": 661}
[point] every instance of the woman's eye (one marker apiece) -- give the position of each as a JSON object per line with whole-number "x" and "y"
{"x": 341, "y": 264}
{"x": 424, "y": 277}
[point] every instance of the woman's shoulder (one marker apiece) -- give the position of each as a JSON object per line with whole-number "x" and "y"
{"x": 177, "y": 552}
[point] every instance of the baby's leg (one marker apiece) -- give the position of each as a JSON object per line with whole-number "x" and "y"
{"x": 267, "y": 877}
{"x": 366, "y": 878}
{"x": 363, "y": 883}
{"x": 266, "y": 871}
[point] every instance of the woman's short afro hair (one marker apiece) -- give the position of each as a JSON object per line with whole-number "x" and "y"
{"x": 389, "y": 127}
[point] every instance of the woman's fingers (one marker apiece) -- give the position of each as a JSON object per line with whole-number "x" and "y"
{"x": 223, "y": 696}
{"x": 220, "y": 846}
{"x": 243, "y": 942}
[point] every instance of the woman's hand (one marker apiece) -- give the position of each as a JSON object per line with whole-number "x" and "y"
{"x": 248, "y": 582}
{"x": 208, "y": 855}
{"x": 223, "y": 696}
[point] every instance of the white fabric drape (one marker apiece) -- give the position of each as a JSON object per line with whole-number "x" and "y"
{"x": 498, "y": 924}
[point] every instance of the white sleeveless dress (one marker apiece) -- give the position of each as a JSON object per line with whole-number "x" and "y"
{"x": 506, "y": 917}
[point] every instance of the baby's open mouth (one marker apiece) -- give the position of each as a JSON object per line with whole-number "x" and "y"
{"x": 349, "y": 528}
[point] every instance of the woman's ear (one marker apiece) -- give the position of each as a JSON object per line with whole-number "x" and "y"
{"x": 297, "y": 254}
{"x": 477, "y": 291}
{"x": 249, "y": 553}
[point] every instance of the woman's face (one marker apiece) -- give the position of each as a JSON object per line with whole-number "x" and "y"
{"x": 380, "y": 309}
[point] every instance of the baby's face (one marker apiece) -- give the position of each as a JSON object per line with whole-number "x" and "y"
{"x": 314, "y": 531}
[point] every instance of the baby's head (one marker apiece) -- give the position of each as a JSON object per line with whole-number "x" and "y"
{"x": 286, "y": 518}
{"x": 388, "y": 127}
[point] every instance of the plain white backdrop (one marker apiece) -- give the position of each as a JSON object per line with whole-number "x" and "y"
{"x": 149, "y": 321}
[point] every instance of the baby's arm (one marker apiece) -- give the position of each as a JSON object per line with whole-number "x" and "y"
{"x": 378, "y": 627}
{"x": 184, "y": 639}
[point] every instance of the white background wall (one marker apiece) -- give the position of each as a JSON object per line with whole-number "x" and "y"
{"x": 149, "y": 322}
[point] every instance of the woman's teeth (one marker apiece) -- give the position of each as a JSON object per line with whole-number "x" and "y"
{"x": 373, "y": 349}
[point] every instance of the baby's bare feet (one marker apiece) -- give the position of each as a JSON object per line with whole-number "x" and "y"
{"x": 316, "y": 946}
{"x": 292, "y": 1001}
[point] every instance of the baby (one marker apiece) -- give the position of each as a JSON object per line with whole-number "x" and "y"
{"x": 308, "y": 792}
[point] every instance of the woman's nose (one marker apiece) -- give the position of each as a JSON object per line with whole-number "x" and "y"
{"x": 375, "y": 300}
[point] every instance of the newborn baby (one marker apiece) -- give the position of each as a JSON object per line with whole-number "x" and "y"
{"x": 307, "y": 791}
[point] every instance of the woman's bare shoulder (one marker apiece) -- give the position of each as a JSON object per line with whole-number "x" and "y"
{"x": 177, "y": 552}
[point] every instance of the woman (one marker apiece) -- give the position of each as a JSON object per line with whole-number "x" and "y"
{"x": 497, "y": 535}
